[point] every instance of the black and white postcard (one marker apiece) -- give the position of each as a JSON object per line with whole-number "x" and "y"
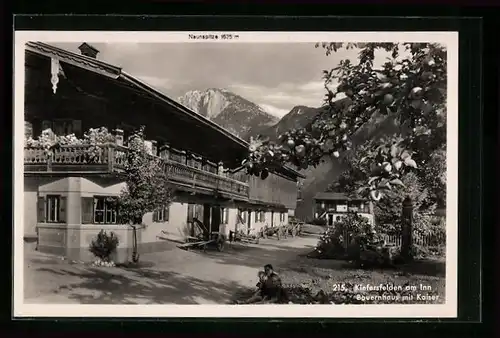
{"x": 236, "y": 174}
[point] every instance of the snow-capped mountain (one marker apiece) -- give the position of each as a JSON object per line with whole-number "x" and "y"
{"x": 229, "y": 110}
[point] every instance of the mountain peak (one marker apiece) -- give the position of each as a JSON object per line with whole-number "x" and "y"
{"x": 231, "y": 111}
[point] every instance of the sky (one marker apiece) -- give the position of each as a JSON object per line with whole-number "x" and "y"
{"x": 276, "y": 76}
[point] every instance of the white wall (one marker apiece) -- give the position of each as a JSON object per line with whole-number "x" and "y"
{"x": 232, "y": 220}
{"x": 30, "y": 207}
{"x": 176, "y": 226}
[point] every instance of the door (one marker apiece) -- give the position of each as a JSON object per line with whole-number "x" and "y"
{"x": 330, "y": 219}
{"x": 206, "y": 215}
{"x": 216, "y": 218}
{"x": 249, "y": 221}
{"x": 190, "y": 216}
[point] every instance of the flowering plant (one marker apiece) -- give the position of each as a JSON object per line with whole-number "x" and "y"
{"x": 47, "y": 140}
{"x": 94, "y": 138}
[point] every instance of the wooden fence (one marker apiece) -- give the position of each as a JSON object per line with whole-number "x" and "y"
{"x": 420, "y": 240}
{"x": 430, "y": 240}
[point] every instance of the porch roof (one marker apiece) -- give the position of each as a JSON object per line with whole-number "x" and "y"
{"x": 263, "y": 204}
{"x": 191, "y": 131}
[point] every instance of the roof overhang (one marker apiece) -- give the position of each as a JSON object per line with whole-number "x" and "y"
{"x": 262, "y": 204}
{"x": 76, "y": 60}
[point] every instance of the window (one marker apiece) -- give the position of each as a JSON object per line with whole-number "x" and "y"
{"x": 224, "y": 215}
{"x": 162, "y": 214}
{"x": 242, "y": 216}
{"x": 341, "y": 208}
{"x": 67, "y": 126}
{"x": 104, "y": 211}
{"x": 99, "y": 210}
{"x": 176, "y": 156}
{"x": 282, "y": 217}
{"x": 52, "y": 209}
{"x": 52, "y": 212}
{"x": 260, "y": 216}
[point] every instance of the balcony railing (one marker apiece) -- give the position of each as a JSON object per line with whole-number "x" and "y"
{"x": 111, "y": 158}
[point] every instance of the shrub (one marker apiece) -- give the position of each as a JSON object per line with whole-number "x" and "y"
{"x": 104, "y": 245}
{"x": 344, "y": 239}
{"x": 423, "y": 252}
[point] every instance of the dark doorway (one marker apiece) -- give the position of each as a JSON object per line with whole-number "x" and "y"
{"x": 216, "y": 219}
{"x": 330, "y": 219}
{"x": 249, "y": 221}
{"x": 206, "y": 215}
{"x": 272, "y": 218}
{"x": 190, "y": 215}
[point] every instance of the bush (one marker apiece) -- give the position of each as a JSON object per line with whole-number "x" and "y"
{"x": 344, "y": 239}
{"x": 422, "y": 252}
{"x": 104, "y": 245}
{"x": 318, "y": 221}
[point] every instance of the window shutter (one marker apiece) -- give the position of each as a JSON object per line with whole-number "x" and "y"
{"x": 190, "y": 212}
{"x": 87, "y": 210}
{"x": 199, "y": 211}
{"x": 167, "y": 213}
{"x": 62, "y": 210}
{"x": 41, "y": 210}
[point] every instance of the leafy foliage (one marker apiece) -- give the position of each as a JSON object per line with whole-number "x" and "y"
{"x": 347, "y": 234}
{"x": 410, "y": 86}
{"x": 434, "y": 176}
{"x": 388, "y": 211}
{"x": 147, "y": 187}
{"x": 104, "y": 245}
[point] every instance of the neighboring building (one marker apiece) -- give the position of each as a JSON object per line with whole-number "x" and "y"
{"x": 65, "y": 195}
{"x": 331, "y": 206}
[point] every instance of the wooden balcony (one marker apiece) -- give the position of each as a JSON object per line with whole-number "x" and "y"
{"x": 110, "y": 158}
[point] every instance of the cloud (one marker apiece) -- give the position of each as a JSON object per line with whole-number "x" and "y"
{"x": 159, "y": 83}
{"x": 285, "y": 96}
{"x": 274, "y": 110}
{"x": 313, "y": 86}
